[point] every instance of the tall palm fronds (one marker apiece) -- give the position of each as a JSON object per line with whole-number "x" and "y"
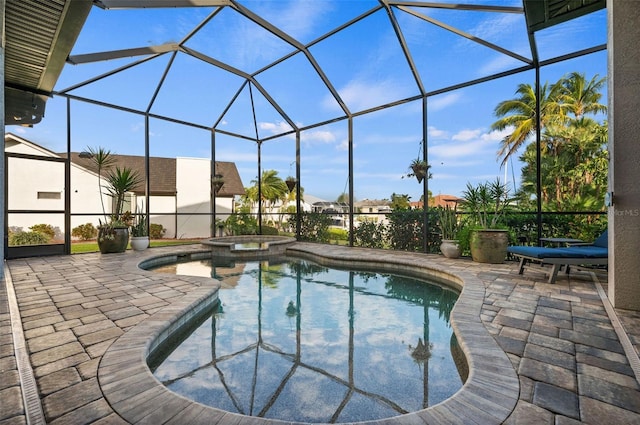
{"x": 102, "y": 159}
{"x": 119, "y": 182}
{"x": 520, "y": 113}
{"x": 580, "y": 97}
{"x": 272, "y": 189}
{"x": 568, "y": 100}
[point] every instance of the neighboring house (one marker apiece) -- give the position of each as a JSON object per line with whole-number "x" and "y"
{"x": 374, "y": 210}
{"x": 177, "y": 185}
{"x": 439, "y": 201}
{"x": 338, "y": 211}
{"x": 373, "y": 206}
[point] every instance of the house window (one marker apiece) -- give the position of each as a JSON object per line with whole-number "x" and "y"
{"x": 49, "y": 195}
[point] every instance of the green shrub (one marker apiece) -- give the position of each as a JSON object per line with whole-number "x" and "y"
{"x": 85, "y": 232}
{"x": 241, "y": 224}
{"x": 45, "y": 229}
{"x": 406, "y": 230}
{"x": 27, "y": 238}
{"x": 156, "y": 231}
{"x": 336, "y": 234}
{"x": 269, "y": 230}
{"x": 314, "y": 227}
{"x": 370, "y": 234}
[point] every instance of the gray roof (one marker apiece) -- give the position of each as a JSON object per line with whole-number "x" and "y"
{"x": 162, "y": 173}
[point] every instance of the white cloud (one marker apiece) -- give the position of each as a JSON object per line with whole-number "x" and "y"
{"x": 435, "y": 133}
{"x": 444, "y": 101}
{"x": 275, "y": 127}
{"x": 465, "y": 146}
{"x": 309, "y": 137}
{"x": 297, "y": 18}
{"x": 497, "y": 135}
{"x": 360, "y": 94}
{"x": 321, "y": 136}
{"x": 497, "y": 64}
{"x": 494, "y": 27}
{"x": 453, "y": 150}
{"x": 466, "y": 135}
{"x": 344, "y": 145}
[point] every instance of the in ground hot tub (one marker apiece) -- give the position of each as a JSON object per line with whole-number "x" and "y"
{"x": 248, "y": 246}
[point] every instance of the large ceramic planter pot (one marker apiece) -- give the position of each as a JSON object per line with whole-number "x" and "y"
{"x": 450, "y": 248}
{"x": 139, "y": 243}
{"x": 116, "y": 244}
{"x": 489, "y": 245}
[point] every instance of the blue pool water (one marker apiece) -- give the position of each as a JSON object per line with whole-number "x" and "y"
{"x": 296, "y": 341}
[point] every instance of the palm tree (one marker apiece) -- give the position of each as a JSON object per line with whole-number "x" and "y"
{"x": 272, "y": 189}
{"x": 572, "y": 95}
{"x": 520, "y": 113}
{"x": 102, "y": 159}
{"x": 580, "y": 97}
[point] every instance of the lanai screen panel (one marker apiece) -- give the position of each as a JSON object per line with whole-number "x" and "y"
{"x": 325, "y": 161}
{"x": 121, "y": 78}
{"x": 385, "y": 142}
{"x": 373, "y": 70}
{"x": 444, "y": 43}
{"x": 296, "y": 86}
{"x": 580, "y": 33}
{"x": 195, "y": 91}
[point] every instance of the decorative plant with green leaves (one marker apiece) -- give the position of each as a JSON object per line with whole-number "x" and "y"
{"x": 119, "y": 182}
{"x": 419, "y": 169}
{"x": 102, "y": 160}
{"x": 448, "y": 223}
{"x": 139, "y": 225}
{"x": 486, "y": 202}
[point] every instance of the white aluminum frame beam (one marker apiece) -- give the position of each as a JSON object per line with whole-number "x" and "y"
{"x": 124, "y": 53}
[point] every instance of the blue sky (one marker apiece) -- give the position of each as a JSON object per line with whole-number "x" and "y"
{"x": 364, "y": 64}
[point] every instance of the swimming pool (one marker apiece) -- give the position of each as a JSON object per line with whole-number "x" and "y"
{"x": 297, "y": 341}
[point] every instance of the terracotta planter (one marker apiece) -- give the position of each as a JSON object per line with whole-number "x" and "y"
{"x": 117, "y": 244}
{"x": 489, "y": 245}
{"x": 450, "y": 248}
{"x": 139, "y": 243}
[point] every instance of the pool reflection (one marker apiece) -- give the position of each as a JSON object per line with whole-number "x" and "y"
{"x": 296, "y": 341}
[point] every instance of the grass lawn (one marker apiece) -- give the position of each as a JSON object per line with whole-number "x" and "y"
{"x": 92, "y": 246}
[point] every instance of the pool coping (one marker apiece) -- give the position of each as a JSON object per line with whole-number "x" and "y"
{"x": 488, "y": 396}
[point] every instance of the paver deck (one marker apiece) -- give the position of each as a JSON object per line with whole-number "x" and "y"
{"x": 538, "y": 353}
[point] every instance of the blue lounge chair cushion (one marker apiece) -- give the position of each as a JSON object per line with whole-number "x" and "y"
{"x": 603, "y": 240}
{"x": 581, "y": 251}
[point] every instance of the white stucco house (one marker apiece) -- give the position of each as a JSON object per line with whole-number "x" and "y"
{"x": 179, "y": 190}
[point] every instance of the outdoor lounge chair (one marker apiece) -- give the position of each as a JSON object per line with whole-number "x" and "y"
{"x": 596, "y": 253}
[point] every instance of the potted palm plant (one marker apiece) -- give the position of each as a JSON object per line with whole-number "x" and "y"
{"x": 113, "y": 235}
{"x": 486, "y": 204}
{"x": 449, "y": 227}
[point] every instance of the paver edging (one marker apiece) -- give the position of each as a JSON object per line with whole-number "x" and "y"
{"x": 138, "y": 396}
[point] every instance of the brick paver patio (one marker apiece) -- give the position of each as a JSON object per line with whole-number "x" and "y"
{"x": 82, "y": 314}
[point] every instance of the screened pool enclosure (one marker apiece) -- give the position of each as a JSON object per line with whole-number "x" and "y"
{"x": 339, "y": 95}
